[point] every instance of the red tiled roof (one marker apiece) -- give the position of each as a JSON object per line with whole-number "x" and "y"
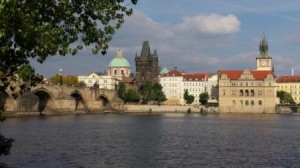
{"x": 236, "y": 74}
{"x": 174, "y": 73}
{"x": 285, "y": 79}
{"x": 196, "y": 76}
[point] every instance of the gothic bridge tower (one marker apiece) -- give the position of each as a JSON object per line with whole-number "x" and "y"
{"x": 146, "y": 65}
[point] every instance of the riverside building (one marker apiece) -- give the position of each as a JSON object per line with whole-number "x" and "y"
{"x": 290, "y": 84}
{"x": 118, "y": 71}
{"x": 174, "y": 84}
{"x": 249, "y": 90}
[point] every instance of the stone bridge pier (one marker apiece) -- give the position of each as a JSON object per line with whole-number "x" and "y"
{"x": 62, "y": 99}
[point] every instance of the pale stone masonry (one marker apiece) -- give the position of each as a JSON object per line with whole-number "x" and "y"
{"x": 251, "y": 91}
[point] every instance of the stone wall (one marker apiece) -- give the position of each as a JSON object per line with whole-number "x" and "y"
{"x": 159, "y": 108}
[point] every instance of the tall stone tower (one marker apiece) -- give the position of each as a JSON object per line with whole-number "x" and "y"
{"x": 146, "y": 65}
{"x": 264, "y": 61}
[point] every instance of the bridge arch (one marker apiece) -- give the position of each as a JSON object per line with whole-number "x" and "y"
{"x": 6, "y": 102}
{"x": 79, "y": 101}
{"x": 46, "y": 99}
{"x": 104, "y": 99}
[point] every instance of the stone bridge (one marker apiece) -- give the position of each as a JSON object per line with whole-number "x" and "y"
{"x": 58, "y": 99}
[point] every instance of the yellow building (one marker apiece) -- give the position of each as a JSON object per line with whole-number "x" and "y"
{"x": 250, "y": 91}
{"x": 290, "y": 84}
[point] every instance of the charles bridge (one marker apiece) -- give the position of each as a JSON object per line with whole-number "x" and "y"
{"x": 60, "y": 99}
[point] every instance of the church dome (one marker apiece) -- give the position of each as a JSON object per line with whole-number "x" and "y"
{"x": 119, "y": 61}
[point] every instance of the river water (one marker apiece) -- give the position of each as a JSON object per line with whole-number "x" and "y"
{"x": 153, "y": 140}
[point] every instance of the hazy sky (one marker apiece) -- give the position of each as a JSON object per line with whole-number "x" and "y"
{"x": 199, "y": 36}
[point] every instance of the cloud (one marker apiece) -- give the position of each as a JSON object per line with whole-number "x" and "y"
{"x": 211, "y": 24}
{"x": 181, "y": 44}
{"x": 187, "y": 44}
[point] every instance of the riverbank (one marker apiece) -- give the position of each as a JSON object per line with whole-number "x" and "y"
{"x": 167, "y": 109}
{"x": 146, "y": 109}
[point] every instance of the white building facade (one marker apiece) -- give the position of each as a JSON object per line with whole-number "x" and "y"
{"x": 175, "y": 83}
{"x": 103, "y": 81}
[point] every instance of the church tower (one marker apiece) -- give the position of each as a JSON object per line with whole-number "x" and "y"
{"x": 264, "y": 61}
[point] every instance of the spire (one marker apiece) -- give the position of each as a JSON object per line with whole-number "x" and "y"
{"x": 119, "y": 54}
{"x": 155, "y": 53}
{"x": 263, "y": 47}
{"x": 146, "y": 49}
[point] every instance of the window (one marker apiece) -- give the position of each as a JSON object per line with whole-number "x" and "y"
{"x": 259, "y": 102}
{"x": 247, "y": 93}
{"x": 233, "y": 102}
{"x": 252, "y": 93}
{"x": 252, "y": 102}
{"x": 247, "y": 103}
{"x": 115, "y": 72}
{"x": 241, "y": 93}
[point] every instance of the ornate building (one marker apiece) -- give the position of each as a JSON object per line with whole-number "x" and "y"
{"x": 119, "y": 67}
{"x": 246, "y": 90}
{"x": 146, "y": 65}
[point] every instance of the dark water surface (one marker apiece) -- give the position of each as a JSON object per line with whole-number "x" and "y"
{"x": 151, "y": 140}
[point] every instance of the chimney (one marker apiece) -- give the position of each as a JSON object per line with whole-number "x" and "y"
{"x": 292, "y": 71}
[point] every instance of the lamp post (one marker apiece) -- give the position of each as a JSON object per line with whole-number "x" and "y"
{"x": 60, "y": 77}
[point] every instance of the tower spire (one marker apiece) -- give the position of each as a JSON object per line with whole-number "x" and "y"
{"x": 263, "y": 47}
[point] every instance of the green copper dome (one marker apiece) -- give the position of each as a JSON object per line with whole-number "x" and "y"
{"x": 164, "y": 71}
{"x": 119, "y": 61}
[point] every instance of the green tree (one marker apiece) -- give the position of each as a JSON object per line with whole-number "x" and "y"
{"x": 39, "y": 29}
{"x": 146, "y": 91}
{"x": 70, "y": 80}
{"x": 189, "y": 99}
{"x": 81, "y": 84}
{"x": 158, "y": 94}
{"x": 132, "y": 96}
{"x": 152, "y": 91}
{"x": 160, "y": 97}
{"x": 285, "y": 97}
{"x": 203, "y": 98}
{"x": 5, "y": 143}
{"x": 122, "y": 91}
{"x": 56, "y": 79}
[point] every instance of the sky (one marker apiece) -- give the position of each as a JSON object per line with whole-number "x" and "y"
{"x": 198, "y": 36}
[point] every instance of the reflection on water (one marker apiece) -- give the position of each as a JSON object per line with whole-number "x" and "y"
{"x": 154, "y": 140}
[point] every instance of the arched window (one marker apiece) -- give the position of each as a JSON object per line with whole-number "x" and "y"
{"x": 252, "y": 93}
{"x": 259, "y": 102}
{"x": 247, "y": 93}
{"x": 233, "y": 102}
{"x": 252, "y": 102}
{"x": 241, "y": 93}
{"x": 247, "y": 103}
